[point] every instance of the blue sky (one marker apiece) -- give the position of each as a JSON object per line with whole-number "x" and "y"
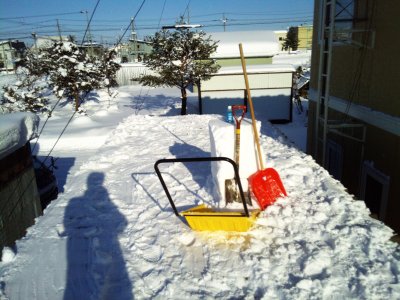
{"x": 19, "y": 18}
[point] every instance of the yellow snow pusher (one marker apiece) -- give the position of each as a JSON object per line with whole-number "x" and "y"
{"x": 202, "y": 218}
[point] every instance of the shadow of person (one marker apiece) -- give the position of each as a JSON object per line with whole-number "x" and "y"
{"x": 199, "y": 171}
{"x": 95, "y": 265}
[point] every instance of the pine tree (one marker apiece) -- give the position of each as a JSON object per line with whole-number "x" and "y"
{"x": 73, "y": 73}
{"x": 18, "y": 97}
{"x": 27, "y": 93}
{"x": 180, "y": 58}
{"x": 109, "y": 69}
{"x": 67, "y": 70}
{"x": 292, "y": 39}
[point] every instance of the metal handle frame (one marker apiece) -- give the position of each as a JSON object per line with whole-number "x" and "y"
{"x": 199, "y": 159}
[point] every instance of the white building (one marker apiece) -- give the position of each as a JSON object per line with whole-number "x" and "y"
{"x": 270, "y": 84}
{"x": 259, "y": 47}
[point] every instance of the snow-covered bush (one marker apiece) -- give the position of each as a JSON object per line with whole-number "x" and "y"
{"x": 26, "y": 94}
{"x": 68, "y": 72}
{"x": 72, "y": 73}
{"x": 109, "y": 69}
{"x": 17, "y": 98}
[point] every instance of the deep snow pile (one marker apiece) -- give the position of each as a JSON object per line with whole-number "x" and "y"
{"x": 16, "y": 130}
{"x": 113, "y": 235}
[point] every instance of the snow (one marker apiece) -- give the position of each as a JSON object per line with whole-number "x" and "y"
{"x": 297, "y": 58}
{"x": 253, "y": 45}
{"x": 16, "y": 130}
{"x": 222, "y": 143}
{"x": 112, "y": 234}
{"x": 273, "y": 68}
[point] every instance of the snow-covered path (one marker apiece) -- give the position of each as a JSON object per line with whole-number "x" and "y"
{"x": 112, "y": 233}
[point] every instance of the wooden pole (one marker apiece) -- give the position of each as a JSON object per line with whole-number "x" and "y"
{"x": 253, "y": 118}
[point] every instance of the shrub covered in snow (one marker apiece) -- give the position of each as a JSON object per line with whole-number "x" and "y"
{"x": 69, "y": 73}
{"x": 72, "y": 73}
{"x": 109, "y": 70}
{"x": 22, "y": 99}
{"x": 26, "y": 94}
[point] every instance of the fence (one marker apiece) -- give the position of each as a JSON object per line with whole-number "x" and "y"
{"x": 130, "y": 73}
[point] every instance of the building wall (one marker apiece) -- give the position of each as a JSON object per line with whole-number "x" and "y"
{"x": 364, "y": 74}
{"x": 281, "y": 36}
{"x": 11, "y": 52}
{"x": 227, "y": 62}
{"x": 305, "y": 36}
{"x": 7, "y": 57}
{"x": 271, "y": 93}
{"x": 134, "y": 51}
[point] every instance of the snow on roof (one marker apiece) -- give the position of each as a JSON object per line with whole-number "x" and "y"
{"x": 251, "y": 69}
{"x": 15, "y": 130}
{"x": 255, "y": 43}
{"x": 302, "y": 81}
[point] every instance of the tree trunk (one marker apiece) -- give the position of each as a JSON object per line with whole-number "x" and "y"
{"x": 76, "y": 96}
{"x": 184, "y": 101}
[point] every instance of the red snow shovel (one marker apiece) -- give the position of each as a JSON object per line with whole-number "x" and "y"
{"x": 231, "y": 191}
{"x": 265, "y": 185}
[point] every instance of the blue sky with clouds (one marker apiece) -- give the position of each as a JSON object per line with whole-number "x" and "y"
{"x": 18, "y": 19}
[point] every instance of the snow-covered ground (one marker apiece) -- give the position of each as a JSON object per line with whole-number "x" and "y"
{"x": 112, "y": 234}
{"x": 296, "y": 58}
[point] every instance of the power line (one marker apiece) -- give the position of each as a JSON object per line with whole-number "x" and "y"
{"x": 40, "y": 16}
{"x": 162, "y": 12}
{"x": 130, "y": 23}
{"x": 91, "y": 17}
{"x": 187, "y": 7}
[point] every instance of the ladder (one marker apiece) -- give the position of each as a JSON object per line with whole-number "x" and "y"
{"x": 324, "y": 74}
{"x": 322, "y": 123}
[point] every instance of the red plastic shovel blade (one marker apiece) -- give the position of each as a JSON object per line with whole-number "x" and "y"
{"x": 266, "y": 186}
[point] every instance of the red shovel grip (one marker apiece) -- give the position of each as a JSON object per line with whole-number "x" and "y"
{"x": 238, "y": 117}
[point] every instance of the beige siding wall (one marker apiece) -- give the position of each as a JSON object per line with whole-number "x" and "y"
{"x": 256, "y": 81}
{"x": 368, "y": 76}
{"x": 305, "y": 37}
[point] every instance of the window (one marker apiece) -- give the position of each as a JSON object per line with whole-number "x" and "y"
{"x": 344, "y": 16}
{"x": 374, "y": 190}
{"x": 334, "y": 159}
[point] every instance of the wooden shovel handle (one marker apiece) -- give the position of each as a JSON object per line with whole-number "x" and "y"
{"x": 253, "y": 118}
{"x": 238, "y": 118}
{"x": 237, "y": 146}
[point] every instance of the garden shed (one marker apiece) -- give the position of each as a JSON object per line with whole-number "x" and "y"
{"x": 19, "y": 197}
{"x": 271, "y": 91}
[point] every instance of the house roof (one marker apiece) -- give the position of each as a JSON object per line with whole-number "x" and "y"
{"x": 258, "y": 43}
{"x": 14, "y": 44}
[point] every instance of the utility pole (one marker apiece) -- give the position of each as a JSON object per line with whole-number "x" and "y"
{"x": 224, "y": 20}
{"x": 133, "y": 40}
{"x": 34, "y": 39}
{"x": 89, "y": 37}
{"x": 59, "y": 31}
